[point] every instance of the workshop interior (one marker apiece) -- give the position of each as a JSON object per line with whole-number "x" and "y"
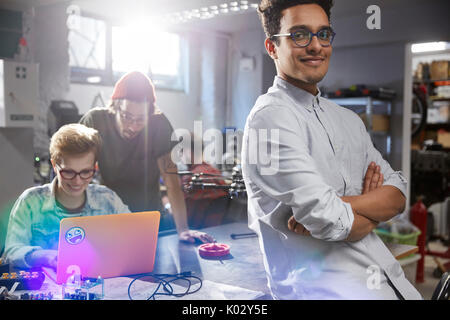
{"x": 207, "y": 60}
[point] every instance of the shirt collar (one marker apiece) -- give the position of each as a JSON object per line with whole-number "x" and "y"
{"x": 304, "y": 98}
{"x": 50, "y": 203}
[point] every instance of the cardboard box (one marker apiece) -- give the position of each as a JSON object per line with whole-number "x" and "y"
{"x": 380, "y": 122}
{"x": 438, "y": 114}
{"x": 443, "y": 137}
{"x": 439, "y": 70}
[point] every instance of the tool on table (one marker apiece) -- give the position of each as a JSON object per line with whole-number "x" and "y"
{"x": 235, "y": 236}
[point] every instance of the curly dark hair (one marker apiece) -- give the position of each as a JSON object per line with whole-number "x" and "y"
{"x": 269, "y": 12}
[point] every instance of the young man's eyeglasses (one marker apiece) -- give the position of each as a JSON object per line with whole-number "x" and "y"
{"x": 129, "y": 119}
{"x": 303, "y": 37}
{"x": 71, "y": 174}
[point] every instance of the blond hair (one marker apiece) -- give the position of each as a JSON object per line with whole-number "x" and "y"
{"x": 74, "y": 139}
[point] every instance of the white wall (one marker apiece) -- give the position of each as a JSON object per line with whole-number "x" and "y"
{"x": 16, "y": 170}
{"x": 246, "y": 85}
{"x": 49, "y": 34}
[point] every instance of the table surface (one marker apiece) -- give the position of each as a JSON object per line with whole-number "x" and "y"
{"x": 243, "y": 267}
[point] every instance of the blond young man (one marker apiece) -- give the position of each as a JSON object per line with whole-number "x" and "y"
{"x": 33, "y": 230}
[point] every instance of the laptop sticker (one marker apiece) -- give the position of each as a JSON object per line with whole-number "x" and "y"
{"x": 75, "y": 235}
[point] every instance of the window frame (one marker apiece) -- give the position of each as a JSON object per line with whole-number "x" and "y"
{"x": 80, "y": 75}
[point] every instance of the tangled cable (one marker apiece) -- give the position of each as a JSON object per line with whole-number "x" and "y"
{"x": 165, "y": 281}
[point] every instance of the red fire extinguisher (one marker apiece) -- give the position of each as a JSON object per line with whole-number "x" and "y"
{"x": 418, "y": 216}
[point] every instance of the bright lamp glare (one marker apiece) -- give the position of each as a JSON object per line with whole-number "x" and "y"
{"x": 145, "y": 49}
{"x": 94, "y": 79}
{"x": 428, "y": 47}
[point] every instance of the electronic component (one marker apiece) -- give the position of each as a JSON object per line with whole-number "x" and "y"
{"x": 77, "y": 288}
{"x": 37, "y": 296}
{"x": 26, "y": 280}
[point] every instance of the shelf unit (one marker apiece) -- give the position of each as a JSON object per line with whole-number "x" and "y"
{"x": 371, "y": 106}
{"x": 431, "y": 128}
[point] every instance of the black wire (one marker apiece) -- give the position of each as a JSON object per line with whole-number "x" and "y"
{"x": 165, "y": 281}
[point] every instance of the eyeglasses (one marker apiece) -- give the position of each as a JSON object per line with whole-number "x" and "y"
{"x": 129, "y": 119}
{"x": 71, "y": 174}
{"x": 303, "y": 37}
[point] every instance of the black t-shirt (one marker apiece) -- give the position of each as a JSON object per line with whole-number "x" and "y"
{"x": 129, "y": 167}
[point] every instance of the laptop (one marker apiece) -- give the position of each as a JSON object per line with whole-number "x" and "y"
{"x": 107, "y": 245}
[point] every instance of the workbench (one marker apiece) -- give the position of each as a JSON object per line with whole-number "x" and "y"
{"x": 242, "y": 270}
{"x": 239, "y": 275}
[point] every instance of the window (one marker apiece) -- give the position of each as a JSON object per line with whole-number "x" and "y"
{"x": 100, "y": 52}
{"x": 10, "y": 32}
{"x": 157, "y": 53}
{"x": 87, "y": 44}
{"x": 87, "y": 49}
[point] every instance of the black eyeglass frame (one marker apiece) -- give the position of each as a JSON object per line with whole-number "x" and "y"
{"x": 62, "y": 172}
{"x": 311, "y": 35}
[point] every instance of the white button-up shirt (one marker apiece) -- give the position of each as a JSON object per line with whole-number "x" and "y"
{"x": 301, "y": 153}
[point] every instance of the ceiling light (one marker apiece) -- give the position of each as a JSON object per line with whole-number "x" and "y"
{"x": 428, "y": 47}
{"x": 94, "y": 79}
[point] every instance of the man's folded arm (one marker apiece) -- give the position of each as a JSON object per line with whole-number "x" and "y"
{"x": 385, "y": 202}
{"x": 361, "y": 227}
{"x": 381, "y": 204}
{"x": 291, "y": 176}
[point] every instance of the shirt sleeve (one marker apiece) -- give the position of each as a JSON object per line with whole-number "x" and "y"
{"x": 18, "y": 238}
{"x": 391, "y": 177}
{"x": 164, "y": 137}
{"x": 118, "y": 204}
{"x": 288, "y": 174}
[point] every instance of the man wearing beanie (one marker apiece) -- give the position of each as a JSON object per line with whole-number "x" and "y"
{"x": 136, "y": 151}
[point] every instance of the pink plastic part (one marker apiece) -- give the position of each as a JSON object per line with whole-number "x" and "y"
{"x": 214, "y": 250}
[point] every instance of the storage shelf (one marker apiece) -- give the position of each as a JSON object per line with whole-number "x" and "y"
{"x": 370, "y": 106}
{"x": 438, "y": 126}
{"x": 430, "y": 80}
{"x": 434, "y": 98}
{"x": 359, "y": 101}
